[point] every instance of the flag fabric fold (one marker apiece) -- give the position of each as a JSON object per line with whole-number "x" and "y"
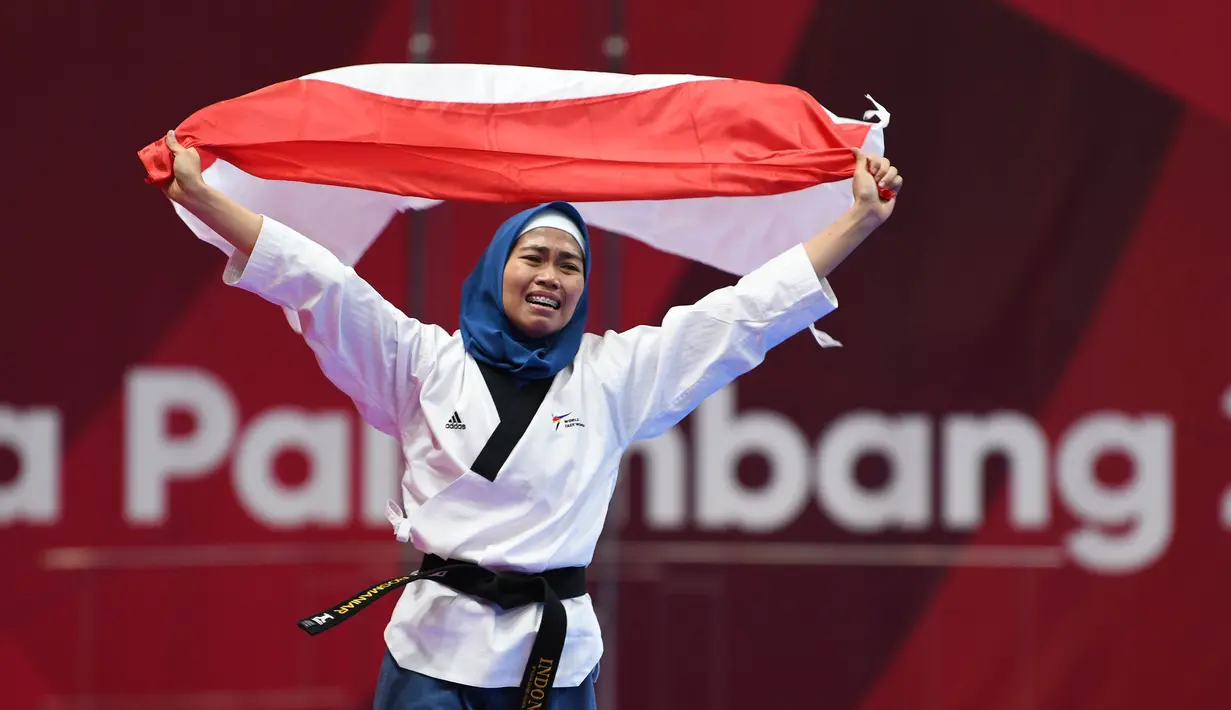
{"x": 725, "y": 172}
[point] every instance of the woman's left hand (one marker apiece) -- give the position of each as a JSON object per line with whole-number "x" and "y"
{"x": 871, "y": 175}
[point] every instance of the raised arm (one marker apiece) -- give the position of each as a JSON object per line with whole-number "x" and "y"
{"x": 874, "y": 180}
{"x": 238, "y": 225}
{"x": 368, "y": 348}
{"x": 658, "y": 375}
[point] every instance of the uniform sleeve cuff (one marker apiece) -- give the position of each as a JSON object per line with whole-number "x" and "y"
{"x": 796, "y": 279}
{"x": 257, "y": 271}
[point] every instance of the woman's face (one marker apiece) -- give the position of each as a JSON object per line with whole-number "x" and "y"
{"x": 543, "y": 280}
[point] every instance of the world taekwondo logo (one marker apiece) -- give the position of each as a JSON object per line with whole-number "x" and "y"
{"x": 564, "y": 419}
{"x": 316, "y": 621}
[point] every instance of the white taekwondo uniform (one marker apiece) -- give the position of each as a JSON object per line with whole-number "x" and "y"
{"x": 547, "y": 504}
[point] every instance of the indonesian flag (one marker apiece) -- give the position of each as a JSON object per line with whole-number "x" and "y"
{"x": 725, "y": 172}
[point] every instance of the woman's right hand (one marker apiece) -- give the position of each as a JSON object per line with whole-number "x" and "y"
{"x": 236, "y": 224}
{"x": 187, "y": 180}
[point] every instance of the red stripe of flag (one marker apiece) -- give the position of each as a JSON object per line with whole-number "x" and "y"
{"x": 694, "y": 139}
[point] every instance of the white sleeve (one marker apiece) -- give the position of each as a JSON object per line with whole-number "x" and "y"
{"x": 658, "y": 375}
{"x": 365, "y": 346}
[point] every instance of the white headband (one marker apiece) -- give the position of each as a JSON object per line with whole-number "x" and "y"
{"x": 556, "y": 220}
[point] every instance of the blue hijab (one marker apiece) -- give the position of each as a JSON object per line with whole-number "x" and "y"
{"x": 488, "y": 334}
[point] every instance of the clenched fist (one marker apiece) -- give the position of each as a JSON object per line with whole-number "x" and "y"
{"x": 873, "y": 174}
{"x": 186, "y": 169}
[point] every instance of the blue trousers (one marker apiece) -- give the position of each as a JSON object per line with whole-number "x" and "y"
{"x": 400, "y": 689}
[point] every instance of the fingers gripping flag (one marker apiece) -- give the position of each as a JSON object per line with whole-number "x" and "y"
{"x": 725, "y": 172}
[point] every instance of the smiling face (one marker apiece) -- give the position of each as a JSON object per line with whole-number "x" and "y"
{"x": 543, "y": 281}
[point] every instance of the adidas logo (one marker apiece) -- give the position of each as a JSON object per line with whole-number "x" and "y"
{"x": 455, "y": 422}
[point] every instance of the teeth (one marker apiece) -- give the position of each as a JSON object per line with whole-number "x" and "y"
{"x": 544, "y": 301}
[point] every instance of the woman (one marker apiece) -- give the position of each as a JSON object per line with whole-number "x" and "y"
{"x": 513, "y": 428}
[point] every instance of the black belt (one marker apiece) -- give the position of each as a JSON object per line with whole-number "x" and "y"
{"x": 508, "y": 590}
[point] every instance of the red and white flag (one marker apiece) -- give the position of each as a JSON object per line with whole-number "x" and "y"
{"x": 725, "y": 172}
